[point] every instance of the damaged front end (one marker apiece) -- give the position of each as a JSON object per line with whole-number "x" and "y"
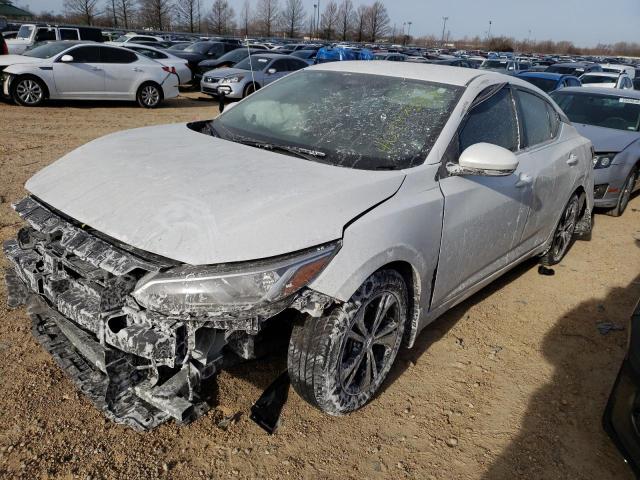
{"x": 143, "y": 336}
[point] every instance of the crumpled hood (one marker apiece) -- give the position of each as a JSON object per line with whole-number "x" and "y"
{"x": 6, "y": 60}
{"x": 607, "y": 140}
{"x": 203, "y": 200}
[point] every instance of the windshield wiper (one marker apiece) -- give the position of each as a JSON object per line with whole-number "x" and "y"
{"x": 306, "y": 153}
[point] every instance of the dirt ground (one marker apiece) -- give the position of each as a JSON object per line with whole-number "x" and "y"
{"x": 510, "y": 384}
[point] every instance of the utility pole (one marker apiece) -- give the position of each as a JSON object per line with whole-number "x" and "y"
{"x": 444, "y": 26}
{"x": 409, "y": 31}
{"x": 318, "y": 24}
{"x": 489, "y": 32}
{"x": 313, "y": 22}
{"x": 115, "y": 15}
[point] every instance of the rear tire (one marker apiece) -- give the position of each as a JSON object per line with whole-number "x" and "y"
{"x": 563, "y": 234}
{"x": 338, "y": 362}
{"x": 28, "y": 91}
{"x": 625, "y": 195}
{"x": 149, "y": 95}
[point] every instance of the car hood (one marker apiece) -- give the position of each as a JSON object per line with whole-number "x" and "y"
{"x": 225, "y": 72}
{"x": 607, "y": 140}
{"x": 6, "y": 60}
{"x": 202, "y": 200}
{"x": 190, "y": 56}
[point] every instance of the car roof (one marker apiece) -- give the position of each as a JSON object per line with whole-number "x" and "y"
{"x": 416, "y": 71}
{"x": 271, "y": 55}
{"x": 605, "y": 74}
{"x": 604, "y": 91}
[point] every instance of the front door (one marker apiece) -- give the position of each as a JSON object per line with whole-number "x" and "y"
{"x": 82, "y": 77}
{"x": 484, "y": 216}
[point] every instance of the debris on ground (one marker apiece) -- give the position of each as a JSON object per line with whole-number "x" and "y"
{"x": 606, "y": 327}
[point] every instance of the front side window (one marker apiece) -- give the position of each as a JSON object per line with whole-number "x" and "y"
{"x": 352, "y": 120}
{"x": 492, "y": 121}
{"x": 535, "y": 117}
{"x": 85, "y": 55}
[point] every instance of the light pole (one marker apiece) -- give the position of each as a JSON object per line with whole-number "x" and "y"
{"x": 313, "y": 22}
{"x": 444, "y": 26}
{"x": 319, "y": 26}
{"x": 489, "y": 32}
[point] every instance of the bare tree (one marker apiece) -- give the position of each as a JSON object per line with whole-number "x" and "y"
{"x": 362, "y": 20}
{"x": 267, "y": 12}
{"x": 329, "y": 19}
{"x": 87, "y": 10}
{"x": 156, "y": 13}
{"x": 221, "y": 17}
{"x": 293, "y": 17}
{"x": 188, "y": 14}
{"x": 124, "y": 12}
{"x": 245, "y": 17}
{"x": 346, "y": 16}
{"x": 378, "y": 21}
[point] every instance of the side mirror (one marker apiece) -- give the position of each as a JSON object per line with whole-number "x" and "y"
{"x": 66, "y": 58}
{"x": 485, "y": 159}
{"x": 271, "y": 71}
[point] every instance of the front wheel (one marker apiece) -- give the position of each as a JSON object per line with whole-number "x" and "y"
{"x": 338, "y": 362}
{"x": 249, "y": 89}
{"x": 625, "y": 195}
{"x": 28, "y": 91}
{"x": 149, "y": 95}
{"x": 563, "y": 235}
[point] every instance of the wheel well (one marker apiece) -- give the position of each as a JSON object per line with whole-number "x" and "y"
{"x": 412, "y": 280}
{"x": 151, "y": 82}
{"x": 30, "y": 75}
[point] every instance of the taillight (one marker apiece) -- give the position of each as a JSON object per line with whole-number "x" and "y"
{"x": 170, "y": 69}
{"x": 5, "y": 48}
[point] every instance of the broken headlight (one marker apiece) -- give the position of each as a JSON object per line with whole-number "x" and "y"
{"x": 603, "y": 160}
{"x": 201, "y": 289}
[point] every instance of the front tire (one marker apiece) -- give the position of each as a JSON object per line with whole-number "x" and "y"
{"x": 625, "y": 195}
{"x": 249, "y": 89}
{"x": 338, "y": 362}
{"x": 28, "y": 91}
{"x": 149, "y": 95}
{"x": 563, "y": 234}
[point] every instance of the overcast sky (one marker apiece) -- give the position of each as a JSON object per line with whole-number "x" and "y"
{"x": 585, "y": 22}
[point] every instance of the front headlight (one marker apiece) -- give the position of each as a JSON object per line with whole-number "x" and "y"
{"x": 201, "y": 289}
{"x": 232, "y": 79}
{"x": 603, "y": 160}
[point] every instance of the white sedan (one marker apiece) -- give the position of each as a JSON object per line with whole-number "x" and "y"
{"x": 87, "y": 71}
{"x": 178, "y": 65}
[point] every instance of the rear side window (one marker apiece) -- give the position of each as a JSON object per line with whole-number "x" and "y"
{"x": 115, "y": 55}
{"x": 536, "y": 118}
{"x": 44, "y": 34}
{"x": 69, "y": 34}
{"x": 492, "y": 121}
{"x": 85, "y": 55}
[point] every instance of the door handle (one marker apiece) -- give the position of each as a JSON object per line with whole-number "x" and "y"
{"x": 572, "y": 160}
{"x": 96, "y": 69}
{"x": 136, "y": 69}
{"x": 524, "y": 180}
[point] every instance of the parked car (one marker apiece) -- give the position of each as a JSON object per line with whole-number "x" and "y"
{"x": 179, "y": 45}
{"x": 178, "y": 65}
{"x": 31, "y": 33}
{"x": 607, "y": 80}
{"x": 611, "y": 120}
{"x": 87, "y": 71}
{"x": 136, "y": 37}
{"x": 239, "y": 81}
{"x": 227, "y": 60}
{"x": 615, "y": 68}
{"x": 548, "y": 82}
{"x": 620, "y": 418}
{"x": 506, "y": 66}
{"x": 206, "y": 50}
{"x": 308, "y": 56}
{"x": 575, "y": 68}
{"x": 352, "y": 203}
{"x": 456, "y": 62}
{"x": 390, "y": 57}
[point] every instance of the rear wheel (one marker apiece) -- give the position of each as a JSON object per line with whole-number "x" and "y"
{"x": 563, "y": 235}
{"x": 149, "y": 95}
{"x": 625, "y": 195}
{"x": 28, "y": 91}
{"x": 338, "y": 362}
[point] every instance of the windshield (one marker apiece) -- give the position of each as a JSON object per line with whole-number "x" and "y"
{"x": 198, "y": 47}
{"x": 47, "y": 50}
{"x": 25, "y": 32}
{"x": 493, "y": 64}
{"x": 544, "y": 84}
{"x": 258, "y": 62}
{"x": 600, "y": 110}
{"x": 597, "y": 79}
{"x": 353, "y": 120}
{"x": 121, "y": 38}
{"x": 234, "y": 55}
{"x": 303, "y": 53}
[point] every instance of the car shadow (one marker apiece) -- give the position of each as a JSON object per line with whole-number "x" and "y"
{"x": 560, "y": 434}
{"x": 173, "y": 103}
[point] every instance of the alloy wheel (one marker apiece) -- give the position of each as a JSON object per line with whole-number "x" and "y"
{"x": 370, "y": 343}
{"x": 29, "y": 92}
{"x": 564, "y": 232}
{"x": 150, "y": 96}
{"x": 625, "y": 195}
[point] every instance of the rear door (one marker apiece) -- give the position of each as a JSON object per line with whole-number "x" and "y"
{"x": 123, "y": 72}
{"x": 484, "y": 216}
{"x": 83, "y": 77}
{"x": 551, "y": 165}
